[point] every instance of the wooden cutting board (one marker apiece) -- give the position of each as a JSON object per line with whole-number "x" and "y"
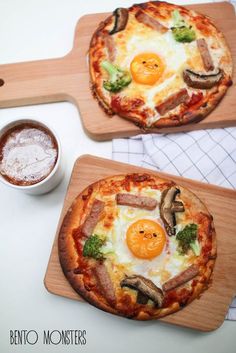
{"x": 67, "y": 78}
{"x": 209, "y": 311}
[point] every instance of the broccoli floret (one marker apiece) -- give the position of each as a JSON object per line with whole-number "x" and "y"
{"x": 187, "y": 239}
{"x": 195, "y": 246}
{"x": 177, "y": 19}
{"x": 119, "y": 78}
{"x": 92, "y": 247}
{"x": 182, "y": 32}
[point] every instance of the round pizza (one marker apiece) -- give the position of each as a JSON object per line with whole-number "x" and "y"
{"x": 159, "y": 65}
{"x": 138, "y": 246}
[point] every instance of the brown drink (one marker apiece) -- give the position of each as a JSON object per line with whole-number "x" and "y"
{"x": 28, "y": 153}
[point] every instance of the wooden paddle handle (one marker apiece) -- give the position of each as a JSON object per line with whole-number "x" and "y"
{"x": 36, "y": 82}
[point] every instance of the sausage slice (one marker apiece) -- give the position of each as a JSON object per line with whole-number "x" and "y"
{"x": 173, "y": 101}
{"x": 105, "y": 283}
{"x": 93, "y": 217}
{"x": 205, "y": 54}
{"x": 110, "y": 45}
{"x": 181, "y": 278}
{"x": 147, "y": 203}
{"x": 150, "y": 22}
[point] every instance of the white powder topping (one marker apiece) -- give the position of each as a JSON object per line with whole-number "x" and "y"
{"x": 27, "y": 155}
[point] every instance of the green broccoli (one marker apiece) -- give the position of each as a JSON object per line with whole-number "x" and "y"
{"x": 187, "y": 239}
{"x": 182, "y": 32}
{"x": 177, "y": 19}
{"x": 119, "y": 78}
{"x": 92, "y": 247}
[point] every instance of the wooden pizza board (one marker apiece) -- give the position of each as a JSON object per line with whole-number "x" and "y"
{"x": 67, "y": 78}
{"x": 206, "y": 313}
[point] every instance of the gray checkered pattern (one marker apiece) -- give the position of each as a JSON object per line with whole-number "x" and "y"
{"x": 205, "y": 155}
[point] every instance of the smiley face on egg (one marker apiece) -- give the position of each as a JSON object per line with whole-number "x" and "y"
{"x": 147, "y": 68}
{"x": 145, "y": 239}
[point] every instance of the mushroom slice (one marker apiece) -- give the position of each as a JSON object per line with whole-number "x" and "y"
{"x": 201, "y": 80}
{"x": 145, "y": 286}
{"x": 177, "y": 206}
{"x": 121, "y": 19}
{"x": 142, "y": 298}
{"x": 168, "y": 207}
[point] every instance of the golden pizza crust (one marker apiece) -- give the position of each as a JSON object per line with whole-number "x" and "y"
{"x": 82, "y": 278}
{"x": 137, "y": 112}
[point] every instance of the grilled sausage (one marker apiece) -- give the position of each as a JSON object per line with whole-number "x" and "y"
{"x": 181, "y": 278}
{"x": 93, "y": 218}
{"x": 110, "y": 45}
{"x": 147, "y": 203}
{"x": 105, "y": 283}
{"x": 205, "y": 54}
{"x": 173, "y": 101}
{"x": 150, "y": 22}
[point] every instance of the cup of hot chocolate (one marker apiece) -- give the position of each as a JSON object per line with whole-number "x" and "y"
{"x": 30, "y": 156}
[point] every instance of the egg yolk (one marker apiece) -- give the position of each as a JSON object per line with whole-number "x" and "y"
{"x": 145, "y": 239}
{"x": 147, "y": 68}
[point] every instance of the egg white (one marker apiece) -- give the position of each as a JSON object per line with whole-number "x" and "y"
{"x": 159, "y": 269}
{"x": 165, "y": 46}
{"x": 174, "y": 55}
{"x": 139, "y": 38}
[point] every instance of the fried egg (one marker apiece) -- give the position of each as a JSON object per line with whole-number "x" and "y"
{"x": 152, "y": 59}
{"x": 156, "y": 62}
{"x": 137, "y": 243}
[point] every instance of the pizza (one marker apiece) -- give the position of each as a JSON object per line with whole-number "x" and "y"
{"x": 138, "y": 246}
{"x": 159, "y": 65}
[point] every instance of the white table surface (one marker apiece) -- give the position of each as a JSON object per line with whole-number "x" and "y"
{"x": 40, "y": 29}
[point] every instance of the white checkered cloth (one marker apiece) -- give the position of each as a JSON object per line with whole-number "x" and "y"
{"x": 205, "y": 155}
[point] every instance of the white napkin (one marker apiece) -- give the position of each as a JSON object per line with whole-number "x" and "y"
{"x": 205, "y": 155}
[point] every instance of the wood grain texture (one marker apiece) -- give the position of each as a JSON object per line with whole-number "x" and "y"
{"x": 209, "y": 311}
{"x": 67, "y": 78}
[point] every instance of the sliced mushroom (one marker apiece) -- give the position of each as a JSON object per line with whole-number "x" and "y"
{"x": 144, "y": 286}
{"x": 168, "y": 207}
{"x": 121, "y": 18}
{"x": 177, "y": 206}
{"x": 141, "y": 298}
{"x": 201, "y": 80}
